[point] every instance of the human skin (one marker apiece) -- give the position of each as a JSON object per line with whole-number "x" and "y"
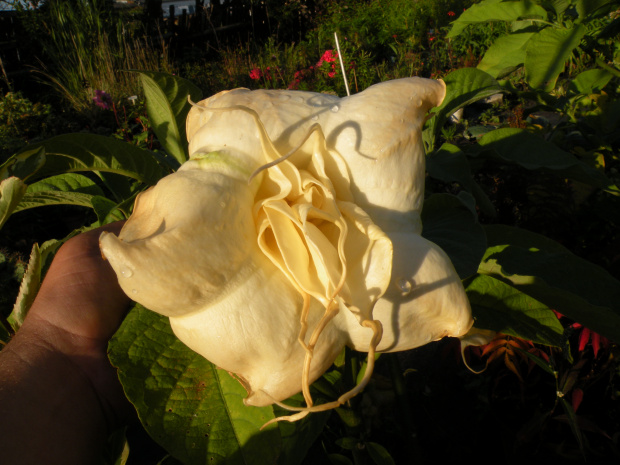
{"x": 59, "y": 396}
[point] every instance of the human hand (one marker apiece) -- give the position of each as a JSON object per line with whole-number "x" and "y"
{"x": 78, "y": 308}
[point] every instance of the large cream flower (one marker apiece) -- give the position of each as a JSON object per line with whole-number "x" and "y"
{"x": 294, "y": 230}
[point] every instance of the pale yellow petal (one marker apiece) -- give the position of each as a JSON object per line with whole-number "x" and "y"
{"x": 424, "y": 302}
{"x": 185, "y": 243}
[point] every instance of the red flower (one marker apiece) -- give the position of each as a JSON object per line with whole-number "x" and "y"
{"x": 255, "y": 74}
{"x": 328, "y": 57}
{"x": 451, "y": 13}
{"x": 587, "y": 335}
{"x": 331, "y": 74}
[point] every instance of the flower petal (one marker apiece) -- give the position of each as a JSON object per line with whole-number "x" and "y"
{"x": 425, "y": 300}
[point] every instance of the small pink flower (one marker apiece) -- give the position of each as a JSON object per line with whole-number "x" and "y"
{"x": 256, "y": 74}
{"x": 331, "y": 74}
{"x": 103, "y": 100}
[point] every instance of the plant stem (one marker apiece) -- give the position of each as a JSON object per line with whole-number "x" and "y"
{"x": 607, "y": 67}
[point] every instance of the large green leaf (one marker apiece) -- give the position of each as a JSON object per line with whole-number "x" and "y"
{"x": 464, "y": 86}
{"x": 547, "y": 52}
{"x": 590, "y": 81}
{"x": 44, "y": 199}
{"x": 560, "y": 6}
{"x": 487, "y": 11}
{"x": 505, "y": 309}
{"x": 23, "y": 164}
{"x": 532, "y": 152}
{"x": 450, "y": 223}
{"x": 66, "y": 182}
{"x": 194, "y": 410}
{"x": 586, "y": 8}
{"x": 89, "y": 152}
{"x": 505, "y": 55}
{"x": 545, "y": 270}
{"x": 12, "y": 191}
{"x": 167, "y": 107}
{"x": 449, "y": 164}
{"x": 63, "y": 189}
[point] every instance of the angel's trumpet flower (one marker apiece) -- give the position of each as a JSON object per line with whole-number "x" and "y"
{"x": 292, "y": 231}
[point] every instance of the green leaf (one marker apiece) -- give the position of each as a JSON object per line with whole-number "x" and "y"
{"x": 89, "y": 152}
{"x": 560, "y": 6}
{"x": 31, "y": 280}
{"x": 63, "y": 189}
{"x": 348, "y": 443}
{"x": 590, "y": 81}
{"x": 120, "y": 186}
{"x": 12, "y": 191}
{"x": 379, "y": 454}
{"x": 449, "y": 164}
{"x": 338, "y": 459}
{"x": 500, "y": 307}
{"x": 586, "y": 8}
{"x": 24, "y": 163}
{"x": 194, "y": 410}
{"x": 66, "y": 182}
{"x": 548, "y": 272}
{"x": 28, "y": 289}
{"x": 505, "y": 55}
{"x": 532, "y": 152}
{"x": 107, "y": 211}
{"x": 449, "y": 223}
{"x": 298, "y": 436}
{"x": 487, "y": 11}
{"x": 546, "y": 54}
{"x": 464, "y": 86}
{"x": 43, "y": 199}
{"x": 167, "y": 108}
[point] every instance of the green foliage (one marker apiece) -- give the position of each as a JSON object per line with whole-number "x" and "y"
{"x": 189, "y": 406}
{"x": 544, "y": 37}
{"x": 85, "y": 48}
{"x": 21, "y": 121}
{"x": 167, "y": 107}
{"x": 545, "y": 270}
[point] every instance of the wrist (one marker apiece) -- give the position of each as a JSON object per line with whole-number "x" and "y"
{"x": 45, "y": 394}
{"x": 75, "y": 360}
